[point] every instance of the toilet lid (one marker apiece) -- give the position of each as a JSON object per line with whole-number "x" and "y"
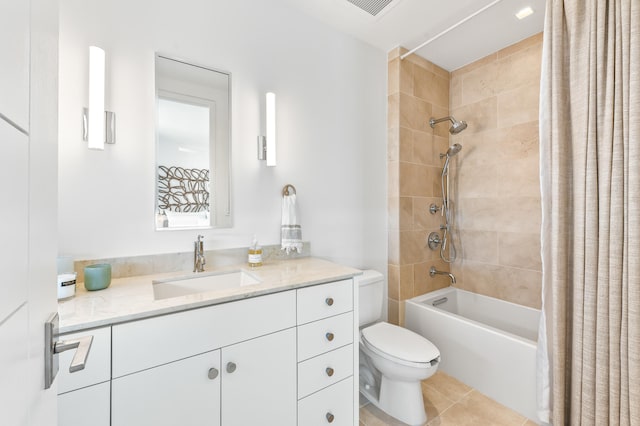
{"x": 400, "y": 343}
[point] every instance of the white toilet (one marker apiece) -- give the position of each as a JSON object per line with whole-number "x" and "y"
{"x": 393, "y": 360}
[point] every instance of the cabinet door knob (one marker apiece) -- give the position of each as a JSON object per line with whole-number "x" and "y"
{"x": 231, "y": 367}
{"x": 329, "y": 371}
{"x": 330, "y": 417}
{"x": 329, "y": 301}
{"x": 329, "y": 336}
{"x": 213, "y": 373}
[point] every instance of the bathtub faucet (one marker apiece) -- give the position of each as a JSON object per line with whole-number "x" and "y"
{"x": 433, "y": 272}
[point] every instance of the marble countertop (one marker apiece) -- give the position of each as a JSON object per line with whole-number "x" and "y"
{"x": 132, "y": 298}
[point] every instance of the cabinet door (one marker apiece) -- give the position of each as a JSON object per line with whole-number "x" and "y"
{"x": 185, "y": 393}
{"x": 259, "y": 381}
{"x": 87, "y": 406}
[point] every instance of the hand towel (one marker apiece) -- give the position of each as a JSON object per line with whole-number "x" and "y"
{"x": 291, "y": 230}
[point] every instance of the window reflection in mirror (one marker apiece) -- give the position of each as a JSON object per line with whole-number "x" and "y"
{"x": 192, "y": 146}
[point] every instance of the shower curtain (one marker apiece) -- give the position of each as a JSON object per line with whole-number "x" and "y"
{"x": 589, "y": 343}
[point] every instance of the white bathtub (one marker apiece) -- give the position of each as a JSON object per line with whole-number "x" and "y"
{"x": 487, "y": 343}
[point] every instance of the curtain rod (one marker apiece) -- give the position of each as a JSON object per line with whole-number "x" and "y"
{"x": 450, "y": 28}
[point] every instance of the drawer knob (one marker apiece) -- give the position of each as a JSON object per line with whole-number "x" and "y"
{"x": 329, "y": 336}
{"x": 231, "y": 367}
{"x": 329, "y": 301}
{"x": 330, "y": 417}
{"x": 329, "y": 371}
{"x": 213, "y": 373}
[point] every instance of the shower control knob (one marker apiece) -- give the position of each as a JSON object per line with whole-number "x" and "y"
{"x": 213, "y": 373}
{"x": 330, "y": 417}
{"x": 329, "y": 371}
{"x": 329, "y": 336}
{"x": 329, "y": 301}
{"x": 434, "y": 240}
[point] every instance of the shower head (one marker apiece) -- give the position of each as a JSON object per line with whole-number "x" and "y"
{"x": 453, "y": 150}
{"x": 456, "y": 126}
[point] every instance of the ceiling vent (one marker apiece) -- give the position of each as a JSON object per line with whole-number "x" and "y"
{"x": 372, "y": 7}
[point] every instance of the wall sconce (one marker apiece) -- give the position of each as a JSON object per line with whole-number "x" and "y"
{"x": 267, "y": 145}
{"x": 98, "y": 125}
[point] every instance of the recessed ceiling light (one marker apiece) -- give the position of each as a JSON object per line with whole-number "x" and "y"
{"x": 523, "y": 13}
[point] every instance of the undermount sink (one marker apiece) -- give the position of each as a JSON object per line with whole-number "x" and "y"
{"x": 200, "y": 283}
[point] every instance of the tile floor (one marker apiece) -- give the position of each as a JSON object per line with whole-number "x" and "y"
{"x": 449, "y": 402}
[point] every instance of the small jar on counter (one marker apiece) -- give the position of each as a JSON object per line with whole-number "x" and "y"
{"x": 255, "y": 254}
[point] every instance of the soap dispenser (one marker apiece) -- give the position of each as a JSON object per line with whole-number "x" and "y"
{"x": 255, "y": 254}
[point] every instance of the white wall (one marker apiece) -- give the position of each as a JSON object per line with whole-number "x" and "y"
{"x": 331, "y": 116}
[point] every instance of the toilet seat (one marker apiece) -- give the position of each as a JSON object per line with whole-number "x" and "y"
{"x": 399, "y": 345}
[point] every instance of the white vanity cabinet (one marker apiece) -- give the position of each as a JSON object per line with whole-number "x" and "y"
{"x": 283, "y": 359}
{"x": 229, "y": 364}
{"x": 326, "y": 359}
{"x": 83, "y": 396}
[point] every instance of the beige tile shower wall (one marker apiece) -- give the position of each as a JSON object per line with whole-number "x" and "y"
{"x": 417, "y": 90}
{"x": 498, "y": 190}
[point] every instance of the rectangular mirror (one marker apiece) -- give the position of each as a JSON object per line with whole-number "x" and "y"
{"x": 193, "y": 146}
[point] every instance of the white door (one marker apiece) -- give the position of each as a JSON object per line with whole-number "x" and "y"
{"x": 259, "y": 381}
{"x": 28, "y": 221}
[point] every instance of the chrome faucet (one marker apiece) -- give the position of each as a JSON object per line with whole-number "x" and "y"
{"x": 433, "y": 272}
{"x": 198, "y": 255}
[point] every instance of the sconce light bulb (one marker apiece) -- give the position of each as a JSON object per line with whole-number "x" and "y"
{"x": 96, "y": 98}
{"x": 271, "y": 128}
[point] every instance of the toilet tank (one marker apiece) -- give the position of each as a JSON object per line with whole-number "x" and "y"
{"x": 370, "y": 296}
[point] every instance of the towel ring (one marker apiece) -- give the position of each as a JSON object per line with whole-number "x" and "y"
{"x": 288, "y": 190}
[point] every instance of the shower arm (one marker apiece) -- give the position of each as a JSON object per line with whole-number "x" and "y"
{"x": 433, "y": 121}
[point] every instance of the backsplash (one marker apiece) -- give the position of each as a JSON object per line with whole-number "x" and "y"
{"x": 122, "y": 267}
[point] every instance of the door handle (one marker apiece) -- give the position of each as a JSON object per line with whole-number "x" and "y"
{"x": 83, "y": 345}
{"x": 53, "y": 346}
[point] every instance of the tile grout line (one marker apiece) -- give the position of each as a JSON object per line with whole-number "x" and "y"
{"x": 453, "y": 403}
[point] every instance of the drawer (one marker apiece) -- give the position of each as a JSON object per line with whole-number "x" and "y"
{"x": 324, "y": 370}
{"x": 97, "y": 368}
{"x": 324, "y": 300}
{"x": 151, "y": 342}
{"x": 322, "y": 336}
{"x": 333, "y": 405}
